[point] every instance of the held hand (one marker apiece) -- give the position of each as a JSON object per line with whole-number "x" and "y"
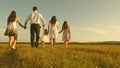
{"x": 43, "y": 25}
{"x": 58, "y": 32}
{"x": 24, "y": 27}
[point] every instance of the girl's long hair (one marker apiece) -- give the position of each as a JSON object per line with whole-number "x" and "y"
{"x": 12, "y": 17}
{"x": 65, "y": 25}
{"x": 53, "y": 20}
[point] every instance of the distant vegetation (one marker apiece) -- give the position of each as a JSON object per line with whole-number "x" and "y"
{"x": 90, "y": 43}
{"x": 76, "y": 56}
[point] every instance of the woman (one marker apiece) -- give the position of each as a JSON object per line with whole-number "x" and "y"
{"x": 53, "y": 30}
{"x": 12, "y": 29}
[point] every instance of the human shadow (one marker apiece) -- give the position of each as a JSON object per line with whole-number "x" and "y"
{"x": 8, "y": 59}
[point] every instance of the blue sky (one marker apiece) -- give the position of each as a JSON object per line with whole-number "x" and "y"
{"x": 90, "y": 20}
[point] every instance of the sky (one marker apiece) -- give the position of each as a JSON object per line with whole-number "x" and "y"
{"x": 89, "y": 20}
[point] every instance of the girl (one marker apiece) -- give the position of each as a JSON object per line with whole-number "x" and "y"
{"x": 66, "y": 33}
{"x": 12, "y": 29}
{"x": 53, "y": 30}
{"x": 44, "y": 37}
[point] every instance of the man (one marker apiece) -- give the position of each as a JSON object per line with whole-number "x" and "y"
{"x": 35, "y": 19}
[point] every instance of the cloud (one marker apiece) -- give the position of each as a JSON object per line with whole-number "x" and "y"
{"x": 105, "y": 29}
{"x": 96, "y": 30}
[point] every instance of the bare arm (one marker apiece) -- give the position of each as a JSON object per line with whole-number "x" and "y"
{"x": 43, "y": 20}
{"x": 19, "y": 22}
{"x": 60, "y": 30}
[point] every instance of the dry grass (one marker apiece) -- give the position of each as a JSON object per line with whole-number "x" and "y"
{"x": 76, "y": 56}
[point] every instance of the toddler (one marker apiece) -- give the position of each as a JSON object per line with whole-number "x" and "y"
{"x": 44, "y": 37}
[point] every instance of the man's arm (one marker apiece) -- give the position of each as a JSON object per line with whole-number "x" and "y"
{"x": 42, "y": 19}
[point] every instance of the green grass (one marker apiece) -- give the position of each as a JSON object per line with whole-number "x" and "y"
{"x": 76, "y": 56}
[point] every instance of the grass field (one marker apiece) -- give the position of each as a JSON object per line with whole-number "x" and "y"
{"x": 76, "y": 56}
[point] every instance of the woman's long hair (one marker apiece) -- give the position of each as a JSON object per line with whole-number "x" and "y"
{"x": 12, "y": 16}
{"x": 53, "y": 20}
{"x": 65, "y": 25}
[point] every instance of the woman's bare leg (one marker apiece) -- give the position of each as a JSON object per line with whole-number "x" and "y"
{"x": 10, "y": 41}
{"x": 51, "y": 41}
{"x": 15, "y": 40}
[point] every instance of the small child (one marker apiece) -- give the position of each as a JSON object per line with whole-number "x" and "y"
{"x": 44, "y": 37}
{"x": 66, "y": 33}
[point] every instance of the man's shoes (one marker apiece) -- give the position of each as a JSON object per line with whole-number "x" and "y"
{"x": 36, "y": 45}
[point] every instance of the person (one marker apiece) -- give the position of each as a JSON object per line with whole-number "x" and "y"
{"x": 66, "y": 33}
{"x": 36, "y": 19}
{"x": 44, "y": 37}
{"x": 53, "y": 30}
{"x": 12, "y": 28}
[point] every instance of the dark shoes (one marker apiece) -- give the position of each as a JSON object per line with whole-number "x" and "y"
{"x": 36, "y": 45}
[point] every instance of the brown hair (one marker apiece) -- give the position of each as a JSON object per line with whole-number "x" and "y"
{"x": 53, "y": 20}
{"x": 65, "y": 25}
{"x": 34, "y": 8}
{"x": 12, "y": 16}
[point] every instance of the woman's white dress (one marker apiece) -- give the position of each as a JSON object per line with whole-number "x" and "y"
{"x": 53, "y": 30}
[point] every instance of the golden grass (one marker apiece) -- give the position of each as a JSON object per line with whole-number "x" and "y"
{"x": 76, "y": 56}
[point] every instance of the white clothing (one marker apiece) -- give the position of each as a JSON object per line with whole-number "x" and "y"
{"x": 44, "y": 38}
{"x": 35, "y": 18}
{"x": 12, "y": 26}
{"x": 53, "y": 30}
{"x": 11, "y": 29}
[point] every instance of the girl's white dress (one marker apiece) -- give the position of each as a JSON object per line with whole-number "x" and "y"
{"x": 44, "y": 38}
{"x": 53, "y": 30}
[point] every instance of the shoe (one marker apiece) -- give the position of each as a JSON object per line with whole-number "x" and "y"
{"x": 36, "y": 45}
{"x": 13, "y": 48}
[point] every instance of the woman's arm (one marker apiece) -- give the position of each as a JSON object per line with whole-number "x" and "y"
{"x": 60, "y": 30}
{"x": 18, "y": 21}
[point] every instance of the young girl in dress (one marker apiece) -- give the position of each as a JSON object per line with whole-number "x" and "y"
{"x": 44, "y": 37}
{"x": 11, "y": 31}
{"x": 66, "y": 33}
